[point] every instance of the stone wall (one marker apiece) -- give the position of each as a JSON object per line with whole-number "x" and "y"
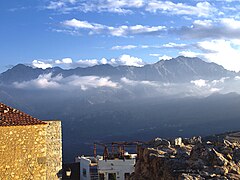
{"x": 31, "y": 152}
{"x": 54, "y": 149}
{"x": 23, "y": 152}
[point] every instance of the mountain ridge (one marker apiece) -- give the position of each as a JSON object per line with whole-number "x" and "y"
{"x": 180, "y": 69}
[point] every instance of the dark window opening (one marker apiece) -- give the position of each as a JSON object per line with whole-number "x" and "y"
{"x": 112, "y": 176}
{"x": 84, "y": 172}
{"x": 126, "y": 176}
{"x": 101, "y": 176}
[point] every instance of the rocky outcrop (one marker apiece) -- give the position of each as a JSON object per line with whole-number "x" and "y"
{"x": 187, "y": 159}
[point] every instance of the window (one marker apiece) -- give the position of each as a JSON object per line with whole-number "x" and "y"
{"x": 101, "y": 176}
{"x": 126, "y": 175}
{"x": 84, "y": 171}
{"x": 112, "y": 176}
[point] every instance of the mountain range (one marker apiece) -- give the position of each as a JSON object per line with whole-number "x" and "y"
{"x": 178, "y": 97}
{"x": 176, "y": 70}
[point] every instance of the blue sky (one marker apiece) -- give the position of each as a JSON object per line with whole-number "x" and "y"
{"x": 72, "y": 33}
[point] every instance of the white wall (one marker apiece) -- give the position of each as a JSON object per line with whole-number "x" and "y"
{"x": 120, "y": 167}
{"x": 84, "y": 164}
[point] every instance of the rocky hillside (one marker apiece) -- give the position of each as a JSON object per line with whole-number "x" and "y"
{"x": 188, "y": 159}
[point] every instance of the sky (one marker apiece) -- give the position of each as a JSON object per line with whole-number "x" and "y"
{"x": 81, "y": 33}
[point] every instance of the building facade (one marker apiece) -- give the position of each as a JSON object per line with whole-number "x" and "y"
{"x": 29, "y": 148}
{"x": 115, "y": 169}
{"x": 88, "y": 168}
{"x": 98, "y": 168}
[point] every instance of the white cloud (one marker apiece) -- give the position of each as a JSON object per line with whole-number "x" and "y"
{"x": 146, "y": 46}
{"x": 189, "y": 54}
{"x": 68, "y": 31}
{"x": 165, "y": 57}
{"x": 139, "y": 29}
{"x": 202, "y": 9}
{"x": 44, "y": 64}
{"x": 205, "y": 22}
{"x": 174, "y": 45}
{"x": 229, "y": 0}
{"x": 41, "y": 64}
{"x": 127, "y": 60}
{"x": 82, "y": 24}
{"x": 114, "y": 6}
{"x": 124, "y": 47}
{"x": 237, "y": 78}
{"x": 72, "y": 1}
{"x": 135, "y": 83}
{"x": 87, "y": 82}
{"x": 46, "y": 81}
{"x": 53, "y": 5}
{"x": 231, "y": 23}
{"x": 222, "y": 80}
{"x": 200, "y": 83}
{"x": 87, "y": 62}
{"x": 155, "y": 55}
{"x": 219, "y": 28}
{"x": 168, "y": 45}
{"x": 222, "y": 85}
{"x": 214, "y": 90}
{"x": 103, "y": 61}
{"x": 64, "y": 61}
{"x": 42, "y": 82}
{"x": 135, "y": 30}
{"x": 223, "y": 52}
{"x": 67, "y": 63}
{"x": 123, "y": 30}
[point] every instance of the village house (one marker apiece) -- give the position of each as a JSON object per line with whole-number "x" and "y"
{"x": 29, "y": 148}
{"x": 117, "y": 164}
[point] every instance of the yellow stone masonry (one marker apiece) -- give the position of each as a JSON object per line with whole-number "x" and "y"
{"x": 31, "y": 152}
{"x": 54, "y": 148}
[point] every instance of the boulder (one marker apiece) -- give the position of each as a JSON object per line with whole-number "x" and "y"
{"x": 157, "y": 142}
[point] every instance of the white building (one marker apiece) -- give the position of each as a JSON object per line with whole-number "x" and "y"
{"x": 88, "y": 168}
{"x": 106, "y": 169}
{"x": 113, "y": 169}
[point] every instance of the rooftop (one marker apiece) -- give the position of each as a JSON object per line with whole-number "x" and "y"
{"x": 13, "y": 117}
